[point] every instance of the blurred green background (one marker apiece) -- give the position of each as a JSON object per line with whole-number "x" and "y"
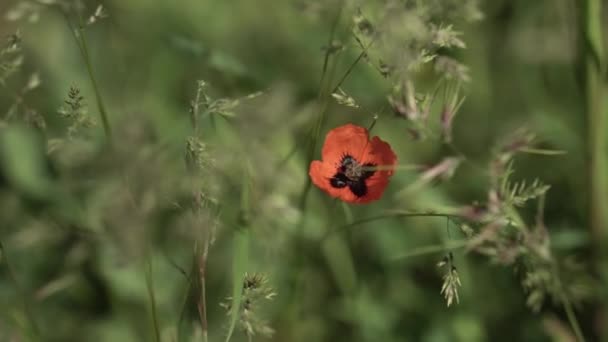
{"x": 83, "y": 225}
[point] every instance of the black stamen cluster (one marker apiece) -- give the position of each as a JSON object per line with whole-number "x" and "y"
{"x": 352, "y": 174}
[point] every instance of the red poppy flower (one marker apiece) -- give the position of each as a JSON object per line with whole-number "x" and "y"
{"x": 347, "y": 170}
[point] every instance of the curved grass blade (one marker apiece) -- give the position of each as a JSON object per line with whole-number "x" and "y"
{"x": 239, "y": 266}
{"x": 240, "y": 254}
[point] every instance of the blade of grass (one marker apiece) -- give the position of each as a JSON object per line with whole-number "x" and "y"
{"x": 596, "y": 116}
{"x": 202, "y": 270}
{"x": 387, "y": 215}
{"x": 362, "y": 54}
{"x": 572, "y": 318}
{"x": 338, "y": 255}
{"x": 184, "y": 301}
{"x": 100, "y": 105}
{"x": 335, "y": 88}
{"x": 239, "y": 266}
{"x": 328, "y": 51}
{"x": 240, "y": 254}
{"x": 440, "y": 248}
{"x": 593, "y": 62}
{"x": 81, "y": 42}
{"x": 152, "y": 299}
{"x": 323, "y": 99}
{"x": 542, "y": 151}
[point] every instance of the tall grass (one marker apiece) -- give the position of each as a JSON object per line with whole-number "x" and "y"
{"x": 210, "y": 185}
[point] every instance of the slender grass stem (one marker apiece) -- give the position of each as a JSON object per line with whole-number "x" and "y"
{"x": 405, "y": 167}
{"x": 328, "y": 51}
{"x": 201, "y": 249}
{"x": 184, "y": 301}
{"x": 83, "y": 47}
{"x": 202, "y": 303}
{"x": 240, "y": 253}
{"x": 352, "y": 66}
{"x": 439, "y": 248}
{"x": 152, "y": 299}
{"x": 572, "y": 319}
{"x": 567, "y": 305}
{"x": 593, "y": 54}
{"x": 385, "y": 216}
{"x": 316, "y": 131}
{"x": 373, "y": 124}
{"x": 100, "y": 105}
{"x": 323, "y": 99}
{"x": 520, "y": 224}
{"x": 596, "y": 116}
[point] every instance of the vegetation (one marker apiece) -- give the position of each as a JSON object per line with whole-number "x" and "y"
{"x": 157, "y": 179}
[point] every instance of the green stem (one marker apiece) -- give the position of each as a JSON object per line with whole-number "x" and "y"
{"x": 596, "y": 120}
{"x": 335, "y": 88}
{"x": 373, "y": 124}
{"x": 328, "y": 51}
{"x": 202, "y": 304}
{"x": 388, "y": 215}
{"x": 81, "y": 42}
{"x": 316, "y": 131}
{"x": 100, "y": 105}
{"x": 572, "y": 319}
{"x": 152, "y": 298}
{"x": 240, "y": 252}
{"x": 591, "y": 28}
{"x": 440, "y": 248}
{"x": 352, "y": 66}
{"x": 324, "y": 100}
{"x": 189, "y": 285}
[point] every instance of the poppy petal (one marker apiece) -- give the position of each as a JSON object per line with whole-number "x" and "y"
{"x": 376, "y": 185}
{"x": 383, "y": 155}
{"x": 353, "y": 141}
{"x": 348, "y": 139}
{"x": 321, "y": 173}
{"x": 350, "y": 197}
{"x": 377, "y": 153}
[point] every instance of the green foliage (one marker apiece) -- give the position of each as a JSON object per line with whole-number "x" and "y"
{"x": 23, "y": 161}
{"x": 189, "y": 216}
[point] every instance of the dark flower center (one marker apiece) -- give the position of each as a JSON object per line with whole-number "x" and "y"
{"x": 350, "y": 173}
